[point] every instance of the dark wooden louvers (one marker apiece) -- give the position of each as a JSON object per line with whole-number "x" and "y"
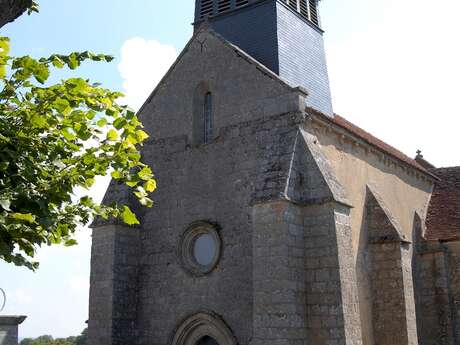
{"x": 209, "y": 9}
{"x": 206, "y": 8}
{"x": 308, "y": 9}
{"x": 224, "y": 5}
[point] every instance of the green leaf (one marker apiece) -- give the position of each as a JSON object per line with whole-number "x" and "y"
{"x": 33, "y": 8}
{"x": 145, "y": 174}
{"x": 73, "y": 62}
{"x": 38, "y": 121}
{"x": 102, "y": 122}
{"x": 52, "y": 142}
{"x": 112, "y": 135}
{"x": 41, "y": 73}
{"x": 150, "y": 185}
{"x": 68, "y": 134}
{"x": 116, "y": 175}
{"x": 128, "y": 216}
{"x": 70, "y": 243}
{"x": 57, "y": 61}
{"x": 27, "y": 217}
{"x": 91, "y": 114}
{"x": 119, "y": 123}
{"x": 141, "y": 135}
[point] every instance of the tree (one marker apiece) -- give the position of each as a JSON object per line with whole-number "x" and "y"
{"x": 54, "y": 139}
{"x": 81, "y": 339}
{"x": 11, "y": 9}
{"x": 49, "y": 340}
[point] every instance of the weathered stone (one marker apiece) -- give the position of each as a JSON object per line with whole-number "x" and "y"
{"x": 305, "y": 258}
{"x": 9, "y": 329}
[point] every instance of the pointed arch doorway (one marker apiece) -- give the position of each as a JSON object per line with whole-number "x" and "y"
{"x": 206, "y": 340}
{"x": 204, "y": 329}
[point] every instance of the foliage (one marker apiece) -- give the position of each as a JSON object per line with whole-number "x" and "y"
{"x": 54, "y": 139}
{"x": 33, "y": 7}
{"x": 49, "y": 340}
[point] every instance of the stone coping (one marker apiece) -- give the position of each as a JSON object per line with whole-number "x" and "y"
{"x": 11, "y": 320}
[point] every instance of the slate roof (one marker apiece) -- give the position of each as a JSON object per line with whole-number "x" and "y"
{"x": 337, "y": 119}
{"x": 443, "y": 219}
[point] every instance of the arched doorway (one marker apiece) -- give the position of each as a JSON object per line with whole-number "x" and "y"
{"x": 203, "y": 329}
{"x": 206, "y": 340}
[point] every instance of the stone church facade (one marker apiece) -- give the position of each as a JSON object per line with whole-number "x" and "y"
{"x": 277, "y": 222}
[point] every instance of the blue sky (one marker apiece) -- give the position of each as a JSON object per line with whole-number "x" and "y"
{"x": 393, "y": 67}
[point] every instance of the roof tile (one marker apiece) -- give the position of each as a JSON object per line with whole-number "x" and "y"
{"x": 443, "y": 219}
{"x": 372, "y": 140}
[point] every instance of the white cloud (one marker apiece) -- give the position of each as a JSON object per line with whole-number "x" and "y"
{"x": 143, "y": 64}
{"x": 399, "y": 78}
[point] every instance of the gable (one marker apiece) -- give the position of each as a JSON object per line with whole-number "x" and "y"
{"x": 242, "y": 89}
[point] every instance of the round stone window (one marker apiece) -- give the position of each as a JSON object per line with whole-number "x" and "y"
{"x": 200, "y": 248}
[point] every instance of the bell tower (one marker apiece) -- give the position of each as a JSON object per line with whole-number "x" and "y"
{"x": 283, "y": 35}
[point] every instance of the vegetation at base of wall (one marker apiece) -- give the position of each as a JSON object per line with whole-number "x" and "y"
{"x": 56, "y": 139}
{"x": 49, "y": 340}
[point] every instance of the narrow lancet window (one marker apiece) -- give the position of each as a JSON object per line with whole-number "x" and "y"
{"x": 203, "y": 115}
{"x": 207, "y": 117}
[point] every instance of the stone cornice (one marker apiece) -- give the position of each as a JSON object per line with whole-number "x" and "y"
{"x": 11, "y": 320}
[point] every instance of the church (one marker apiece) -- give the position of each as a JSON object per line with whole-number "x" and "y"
{"x": 276, "y": 221}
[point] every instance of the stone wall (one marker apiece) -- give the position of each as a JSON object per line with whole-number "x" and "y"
{"x": 278, "y": 258}
{"x": 391, "y": 284}
{"x": 280, "y": 306}
{"x": 332, "y": 296}
{"x": 286, "y": 275}
{"x": 393, "y": 306}
{"x": 357, "y": 164}
{"x": 432, "y": 296}
{"x": 304, "y": 282}
{"x": 248, "y": 162}
{"x": 113, "y": 292}
{"x": 452, "y": 261}
{"x": 8, "y": 334}
{"x": 242, "y": 89}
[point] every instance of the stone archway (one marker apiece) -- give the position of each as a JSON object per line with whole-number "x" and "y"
{"x": 207, "y": 340}
{"x": 203, "y": 329}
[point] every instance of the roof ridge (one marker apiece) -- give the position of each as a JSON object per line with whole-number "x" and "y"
{"x": 240, "y": 52}
{"x": 372, "y": 140}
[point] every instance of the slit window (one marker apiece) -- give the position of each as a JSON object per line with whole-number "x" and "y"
{"x": 207, "y": 117}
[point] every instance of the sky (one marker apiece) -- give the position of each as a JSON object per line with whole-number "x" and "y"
{"x": 394, "y": 69}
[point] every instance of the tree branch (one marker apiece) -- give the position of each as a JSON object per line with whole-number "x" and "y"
{"x": 11, "y": 9}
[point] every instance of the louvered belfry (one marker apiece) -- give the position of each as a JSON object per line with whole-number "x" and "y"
{"x": 283, "y": 35}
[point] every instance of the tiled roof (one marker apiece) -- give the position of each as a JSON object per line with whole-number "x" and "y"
{"x": 373, "y": 141}
{"x": 443, "y": 219}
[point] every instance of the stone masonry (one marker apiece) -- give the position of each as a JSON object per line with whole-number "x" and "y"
{"x": 9, "y": 329}
{"x": 393, "y": 308}
{"x": 307, "y": 245}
